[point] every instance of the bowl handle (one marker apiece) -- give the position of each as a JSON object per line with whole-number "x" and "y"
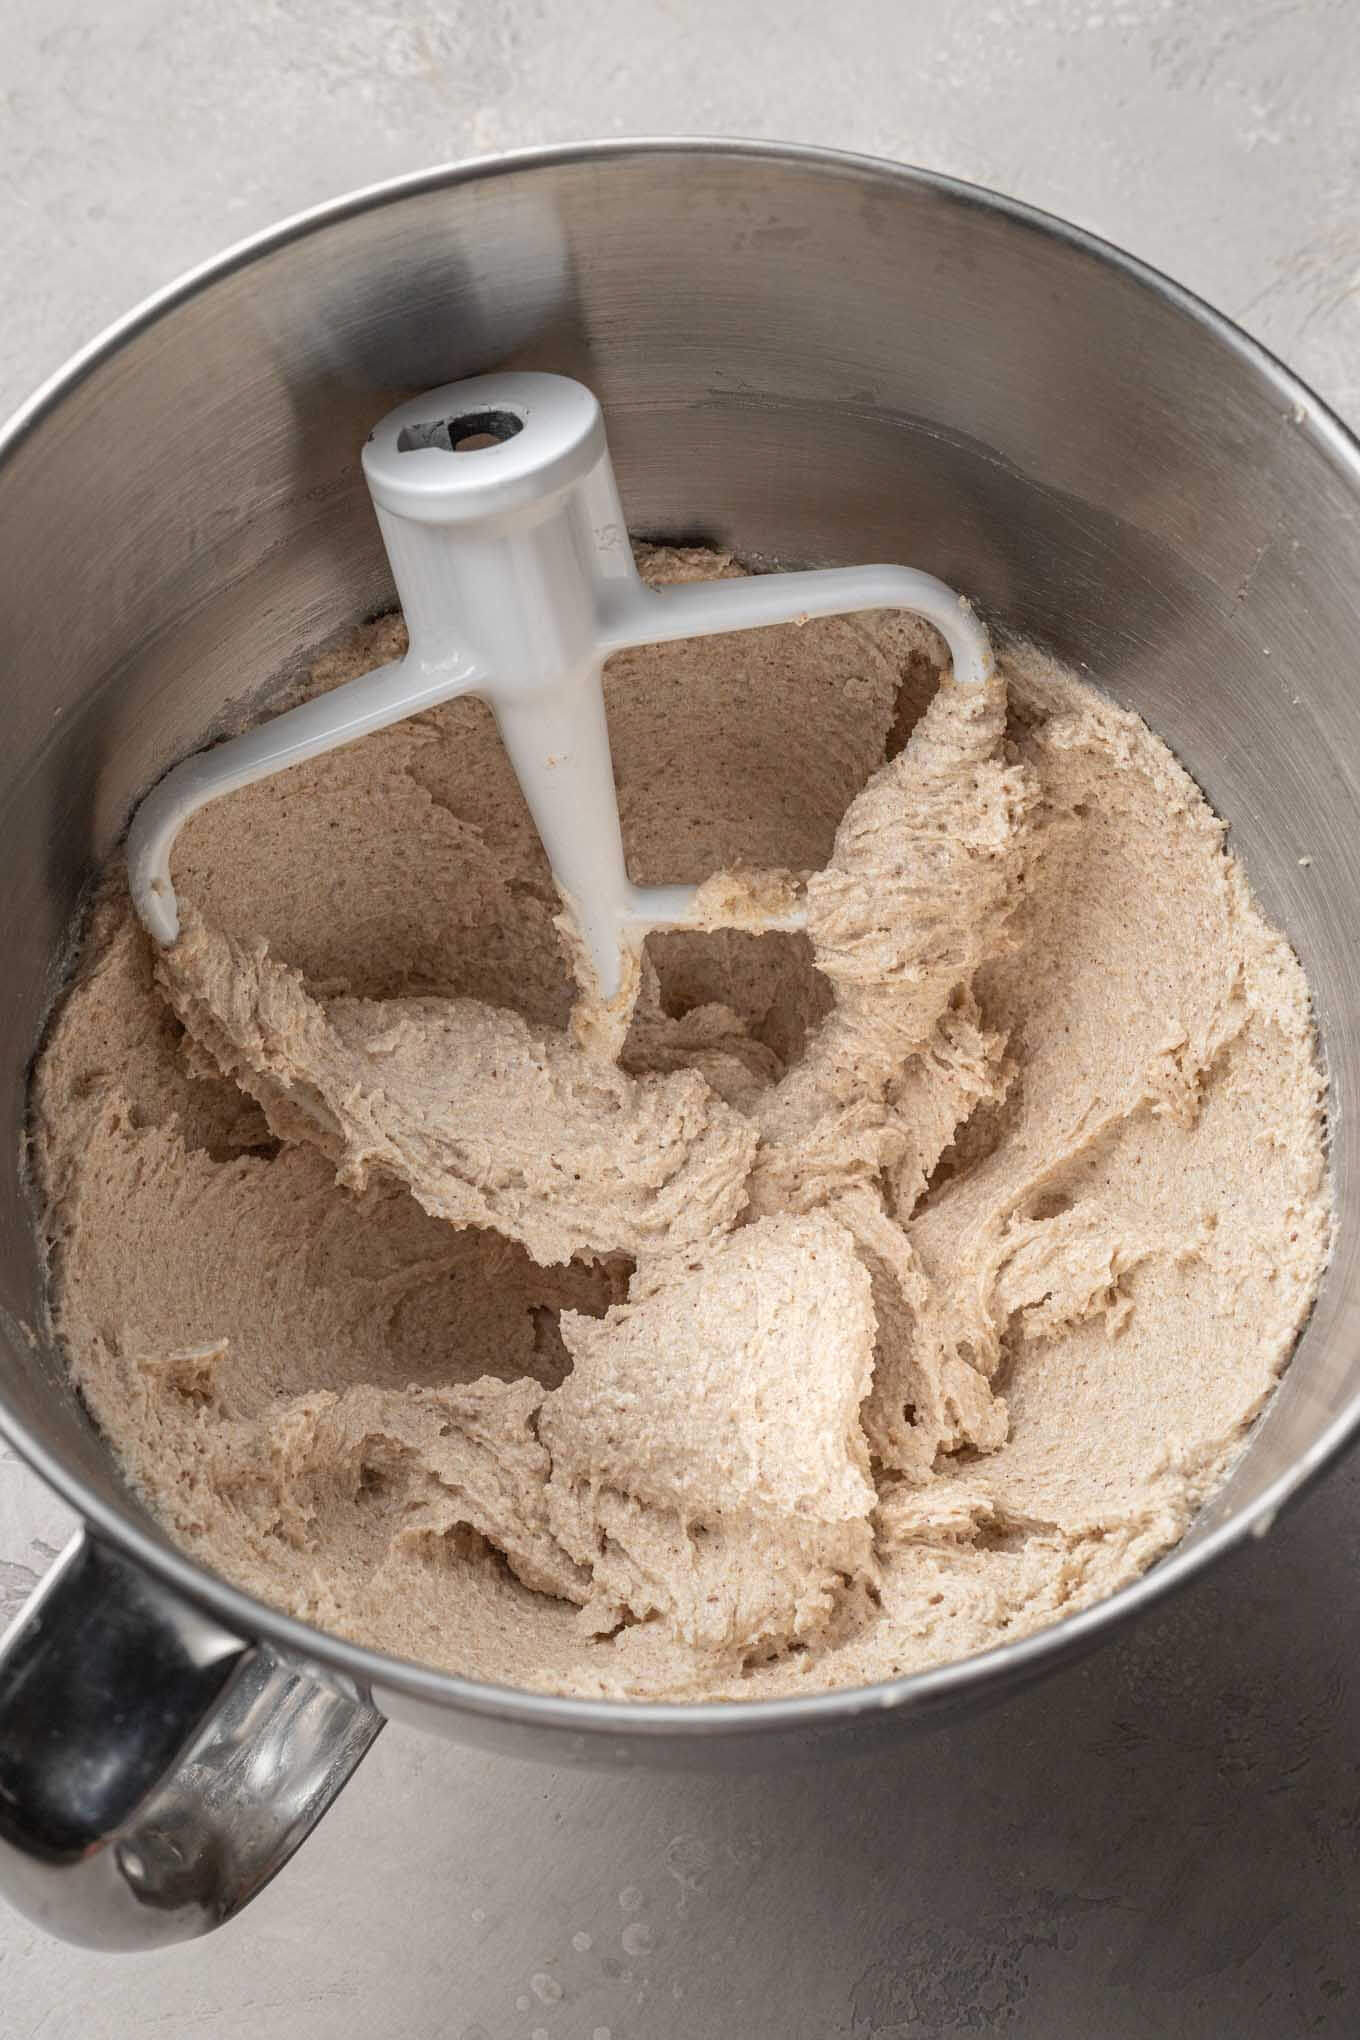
{"x": 155, "y": 1771}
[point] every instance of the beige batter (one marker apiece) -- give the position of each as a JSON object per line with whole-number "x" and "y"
{"x": 902, "y": 1287}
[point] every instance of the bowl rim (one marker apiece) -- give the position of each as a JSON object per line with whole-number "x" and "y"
{"x": 965, "y": 1680}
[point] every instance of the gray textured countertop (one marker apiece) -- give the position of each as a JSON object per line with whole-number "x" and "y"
{"x": 1159, "y": 1845}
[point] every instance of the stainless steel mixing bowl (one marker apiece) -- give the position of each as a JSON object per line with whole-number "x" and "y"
{"x": 811, "y": 357}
